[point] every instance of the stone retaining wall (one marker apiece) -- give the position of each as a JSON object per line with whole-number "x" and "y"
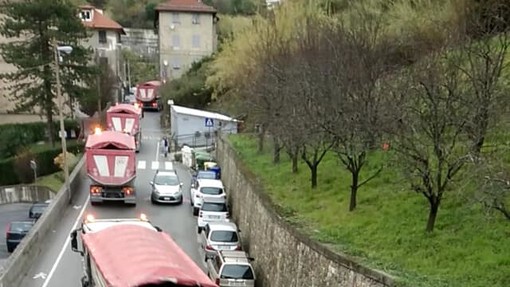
{"x": 24, "y": 193}
{"x": 284, "y": 256}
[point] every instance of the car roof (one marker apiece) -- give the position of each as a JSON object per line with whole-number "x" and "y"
{"x": 210, "y": 183}
{"x": 205, "y": 171}
{"x": 222, "y": 225}
{"x": 231, "y": 256}
{"x": 41, "y": 204}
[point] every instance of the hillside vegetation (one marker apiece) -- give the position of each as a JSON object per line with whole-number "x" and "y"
{"x": 387, "y": 130}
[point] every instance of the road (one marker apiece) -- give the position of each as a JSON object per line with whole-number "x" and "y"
{"x": 9, "y": 213}
{"x": 59, "y": 266}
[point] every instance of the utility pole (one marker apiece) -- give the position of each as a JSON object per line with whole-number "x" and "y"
{"x": 98, "y": 83}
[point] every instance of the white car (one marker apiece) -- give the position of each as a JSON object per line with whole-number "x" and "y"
{"x": 213, "y": 209}
{"x": 206, "y": 187}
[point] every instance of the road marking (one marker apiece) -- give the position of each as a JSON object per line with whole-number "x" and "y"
{"x": 77, "y": 206}
{"x": 141, "y": 164}
{"x": 155, "y": 165}
{"x": 157, "y": 151}
{"x": 66, "y": 243}
{"x": 169, "y": 165}
{"x": 41, "y": 275}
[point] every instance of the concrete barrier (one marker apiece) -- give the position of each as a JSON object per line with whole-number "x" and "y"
{"x": 21, "y": 259}
{"x": 25, "y": 193}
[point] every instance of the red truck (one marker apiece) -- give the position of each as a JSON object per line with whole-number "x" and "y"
{"x": 148, "y": 95}
{"x": 133, "y": 253}
{"x": 110, "y": 160}
{"x": 126, "y": 118}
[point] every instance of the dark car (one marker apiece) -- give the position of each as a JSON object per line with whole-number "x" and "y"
{"x": 37, "y": 209}
{"x": 202, "y": 174}
{"x": 15, "y": 232}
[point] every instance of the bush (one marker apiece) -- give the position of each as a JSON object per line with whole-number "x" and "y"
{"x": 45, "y": 163}
{"x": 22, "y": 165}
{"x": 16, "y": 136}
{"x": 71, "y": 159}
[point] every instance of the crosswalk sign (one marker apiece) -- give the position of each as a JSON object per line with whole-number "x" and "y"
{"x": 209, "y": 123}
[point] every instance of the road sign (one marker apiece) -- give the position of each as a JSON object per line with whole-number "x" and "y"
{"x": 33, "y": 164}
{"x": 209, "y": 123}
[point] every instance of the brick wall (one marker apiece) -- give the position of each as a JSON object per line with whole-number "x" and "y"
{"x": 284, "y": 256}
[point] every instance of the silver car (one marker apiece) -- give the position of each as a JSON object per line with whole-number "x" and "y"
{"x": 219, "y": 236}
{"x": 166, "y": 188}
{"x": 231, "y": 269}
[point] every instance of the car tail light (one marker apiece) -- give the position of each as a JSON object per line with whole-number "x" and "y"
{"x": 217, "y": 281}
{"x": 238, "y": 247}
{"x": 200, "y": 214}
{"x": 7, "y": 227}
{"x": 209, "y": 247}
{"x": 154, "y": 104}
{"x": 228, "y": 215}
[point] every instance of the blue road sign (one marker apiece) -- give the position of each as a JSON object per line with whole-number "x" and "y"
{"x": 209, "y": 123}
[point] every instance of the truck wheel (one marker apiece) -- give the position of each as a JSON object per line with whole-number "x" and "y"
{"x": 195, "y": 211}
{"x": 10, "y": 249}
{"x": 94, "y": 203}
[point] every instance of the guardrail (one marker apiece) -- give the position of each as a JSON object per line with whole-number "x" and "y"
{"x": 25, "y": 193}
{"x": 20, "y": 260}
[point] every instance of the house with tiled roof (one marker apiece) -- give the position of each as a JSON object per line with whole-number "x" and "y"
{"x": 105, "y": 35}
{"x": 187, "y": 33}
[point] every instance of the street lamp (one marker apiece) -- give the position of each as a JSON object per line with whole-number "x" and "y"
{"x": 66, "y": 50}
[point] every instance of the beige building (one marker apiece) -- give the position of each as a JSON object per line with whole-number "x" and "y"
{"x": 187, "y": 33}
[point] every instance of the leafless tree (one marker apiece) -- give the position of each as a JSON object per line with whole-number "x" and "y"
{"x": 429, "y": 129}
{"x": 483, "y": 66}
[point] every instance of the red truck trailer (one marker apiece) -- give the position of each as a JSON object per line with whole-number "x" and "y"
{"x": 126, "y": 118}
{"x": 133, "y": 253}
{"x": 148, "y": 97}
{"x": 110, "y": 159}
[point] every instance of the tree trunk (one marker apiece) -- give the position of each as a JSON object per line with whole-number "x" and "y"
{"x": 294, "y": 159}
{"x": 354, "y": 190}
{"x": 276, "y": 150}
{"x": 434, "y": 208}
{"x": 48, "y": 109}
{"x": 262, "y": 133}
{"x": 313, "y": 175}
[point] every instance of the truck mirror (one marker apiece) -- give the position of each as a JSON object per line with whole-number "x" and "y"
{"x": 74, "y": 241}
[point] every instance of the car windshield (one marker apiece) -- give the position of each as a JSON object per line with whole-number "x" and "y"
{"x": 232, "y": 271}
{"x": 166, "y": 180}
{"x": 39, "y": 208}
{"x": 214, "y": 206}
{"x": 211, "y": 190}
{"x": 21, "y": 226}
{"x": 206, "y": 175}
{"x": 224, "y": 236}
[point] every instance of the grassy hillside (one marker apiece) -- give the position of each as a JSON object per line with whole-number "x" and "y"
{"x": 468, "y": 247}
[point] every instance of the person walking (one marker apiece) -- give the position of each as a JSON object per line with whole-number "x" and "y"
{"x": 164, "y": 145}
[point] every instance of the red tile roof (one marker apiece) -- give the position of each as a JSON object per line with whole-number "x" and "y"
{"x": 185, "y": 6}
{"x": 100, "y": 21}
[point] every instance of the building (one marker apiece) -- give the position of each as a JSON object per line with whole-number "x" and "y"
{"x": 143, "y": 42}
{"x": 194, "y": 127}
{"x": 105, "y": 37}
{"x": 187, "y": 33}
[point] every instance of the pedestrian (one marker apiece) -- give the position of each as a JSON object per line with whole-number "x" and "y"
{"x": 164, "y": 145}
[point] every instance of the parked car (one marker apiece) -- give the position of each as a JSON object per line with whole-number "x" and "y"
{"x": 219, "y": 236}
{"x": 15, "y": 232}
{"x": 166, "y": 188}
{"x": 212, "y": 209}
{"x": 202, "y": 174}
{"x": 206, "y": 187}
{"x": 231, "y": 268}
{"x": 37, "y": 209}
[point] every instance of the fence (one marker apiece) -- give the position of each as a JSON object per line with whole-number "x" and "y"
{"x": 25, "y": 193}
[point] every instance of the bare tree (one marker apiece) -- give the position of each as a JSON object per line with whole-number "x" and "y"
{"x": 430, "y": 127}
{"x": 494, "y": 192}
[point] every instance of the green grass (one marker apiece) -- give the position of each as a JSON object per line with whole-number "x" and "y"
{"x": 53, "y": 181}
{"x": 386, "y": 231}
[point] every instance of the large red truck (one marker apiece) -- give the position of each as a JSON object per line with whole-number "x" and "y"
{"x": 125, "y": 118}
{"x": 133, "y": 253}
{"x": 148, "y": 95}
{"x": 110, "y": 159}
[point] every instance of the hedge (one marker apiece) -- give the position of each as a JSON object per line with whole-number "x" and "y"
{"x": 44, "y": 159}
{"x": 14, "y": 136}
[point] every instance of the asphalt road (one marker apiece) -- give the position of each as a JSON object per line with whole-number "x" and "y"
{"x": 58, "y": 266}
{"x": 9, "y": 213}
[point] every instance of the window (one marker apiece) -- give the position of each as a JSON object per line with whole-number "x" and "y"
{"x": 176, "y": 65}
{"x": 175, "y": 18}
{"x": 166, "y": 180}
{"x": 85, "y": 15}
{"x": 224, "y": 236}
{"x": 102, "y": 37}
{"x": 237, "y": 272}
{"x": 195, "y": 19}
{"x": 214, "y": 207}
{"x": 176, "y": 41}
{"x": 195, "y": 42}
{"x": 211, "y": 190}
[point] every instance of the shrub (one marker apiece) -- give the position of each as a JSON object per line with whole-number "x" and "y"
{"x": 71, "y": 159}
{"x": 22, "y": 165}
